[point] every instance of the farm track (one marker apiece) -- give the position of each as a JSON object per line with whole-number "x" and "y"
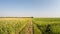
{"x": 28, "y": 27}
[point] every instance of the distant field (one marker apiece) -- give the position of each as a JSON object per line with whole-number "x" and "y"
{"x": 40, "y": 25}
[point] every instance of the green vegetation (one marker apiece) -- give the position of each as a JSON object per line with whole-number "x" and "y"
{"x": 47, "y": 25}
{"x": 11, "y": 26}
{"x": 40, "y": 26}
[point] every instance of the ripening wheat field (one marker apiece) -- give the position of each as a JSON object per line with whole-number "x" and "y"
{"x": 12, "y": 25}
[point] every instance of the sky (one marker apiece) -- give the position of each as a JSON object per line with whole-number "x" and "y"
{"x": 35, "y": 8}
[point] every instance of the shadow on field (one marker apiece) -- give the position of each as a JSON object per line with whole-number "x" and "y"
{"x": 49, "y": 28}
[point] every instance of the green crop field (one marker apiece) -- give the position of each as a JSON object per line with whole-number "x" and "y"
{"x": 40, "y": 25}
{"x": 46, "y": 25}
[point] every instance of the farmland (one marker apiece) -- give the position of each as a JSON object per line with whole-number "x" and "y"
{"x": 12, "y": 25}
{"x": 47, "y": 25}
{"x": 35, "y": 25}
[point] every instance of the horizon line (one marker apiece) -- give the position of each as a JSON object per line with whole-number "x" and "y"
{"x": 25, "y": 17}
